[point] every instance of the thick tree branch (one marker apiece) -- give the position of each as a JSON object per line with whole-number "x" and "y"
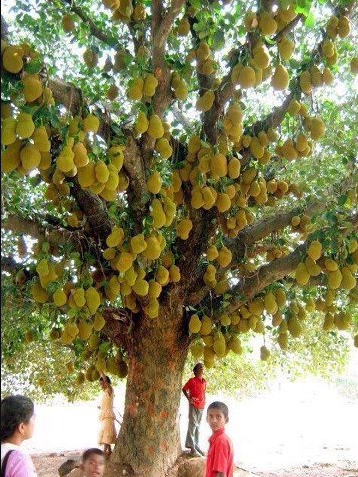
{"x": 167, "y": 20}
{"x": 279, "y": 220}
{"x": 288, "y": 28}
{"x": 55, "y": 235}
{"x": 118, "y": 326}
{"x": 21, "y": 225}
{"x": 8, "y": 264}
{"x": 276, "y": 270}
{"x": 96, "y": 212}
{"x": 160, "y": 29}
{"x": 137, "y": 189}
{"x": 97, "y": 32}
{"x": 66, "y": 94}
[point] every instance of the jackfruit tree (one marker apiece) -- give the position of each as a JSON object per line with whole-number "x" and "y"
{"x": 176, "y": 176}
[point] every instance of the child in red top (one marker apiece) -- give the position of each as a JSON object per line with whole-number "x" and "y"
{"x": 220, "y": 460}
{"x": 194, "y": 391}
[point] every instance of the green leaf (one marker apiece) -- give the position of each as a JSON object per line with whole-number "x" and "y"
{"x": 310, "y": 20}
{"x": 34, "y": 66}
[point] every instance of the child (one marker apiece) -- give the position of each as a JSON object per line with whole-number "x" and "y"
{"x": 220, "y": 460}
{"x": 107, "y": 431}
{"x": 93, "y": 463}
{"x": 194, "y": 391}
{"x": 17, "y": 425}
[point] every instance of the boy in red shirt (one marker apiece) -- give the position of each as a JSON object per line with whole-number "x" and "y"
{"x": 194, "y": 391}
{"x": 220, "y": 460}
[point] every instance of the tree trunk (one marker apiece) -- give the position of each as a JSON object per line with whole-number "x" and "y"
{"x": 148, "y": 443}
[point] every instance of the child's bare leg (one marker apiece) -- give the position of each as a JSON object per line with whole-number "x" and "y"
{"x": 107, "y": 450}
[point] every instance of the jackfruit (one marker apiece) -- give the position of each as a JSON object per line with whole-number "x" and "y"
{"x": 98, "y": 324}
{"x": 334, "y": 279}
{"x": 59, "y": 297}
{"x": 224, "y": 257}
{"x": 39, "y": 294}
{"x": 267, "y": 24}
{"x": 12, "y": 59}
{"x": 157, "y": 213}
{"x": 163, "y": 147}
{"x": 90, "y": 58}
{"x": 30, "y": 157}
{"x": 280, "y": 78}
{"x": 87, "y": 175}
{"x": 155, "y": 127}
{"x": 183, "y": 228}
{"x": 141, "y": 124}
{"x": 246, "y": 78}
{"x": 152, "y": 309}
{"x": 301, "y": 274}
{"x": 90, "y": 123}
{"x": 150, "y": 84}
{"x": 285, "y": 48}
{"x": 32, "y": 88}
{"x": 206, "y": 101}
{"x": 93, "y": 299}
{"x": 115, "y": 237}
{"x": 315, "y": 250}
{"x": 153, "y": 250}
{"x": 25, "y": 126}
{"x": 102, "y": 172}
{"x": 10, "y": 158}
{"x": 68, "y": 24}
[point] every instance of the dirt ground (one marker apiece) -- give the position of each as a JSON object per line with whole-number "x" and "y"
{"x": 47, "y": 466}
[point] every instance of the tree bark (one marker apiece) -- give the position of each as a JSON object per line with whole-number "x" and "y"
{"x": 148, "y": 443}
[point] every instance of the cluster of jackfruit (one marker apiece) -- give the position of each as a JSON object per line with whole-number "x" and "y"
{"x": 179, "y": 87}
{"x": 203, "y": 163}
{"x": 301, "y": 224}
{"x": 132, "y": 280}
{"x": 104, "y": 363}
{"x": 336, "y": 26}
{"x": 275, "y": 252}
{"x": 333, "y": 315}
{"x": 13, "y": 59}
{"x": 204, "y": 61}
{"x": 124, "y": 11}
{"x": 247, "y": 76}
{"x": 219, "y": 334}
{"x": 142, "y": 88}
{"x": 73, "y": 160}
{"x": 315, "y": 78}
{"x": 27, "y": 146}
{"x": 302, "y": 146}
{"x": 258, "y": 145}
{"x": 75, "y": 297}
{"x": 156, "y": 129}
{"x": 101, "y": 363}
{"x": 183, "y": 27}
{"x": 232, "y": 123}
{"x": 338, "y": 276}
{"x": 259, "y": 68}
{"x": 269, "y": 22}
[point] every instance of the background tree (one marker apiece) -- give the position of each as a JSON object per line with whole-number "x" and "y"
{"x": 173, "y": 188}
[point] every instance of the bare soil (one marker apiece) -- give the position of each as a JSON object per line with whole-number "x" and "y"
{"x": 47, "y": 466}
